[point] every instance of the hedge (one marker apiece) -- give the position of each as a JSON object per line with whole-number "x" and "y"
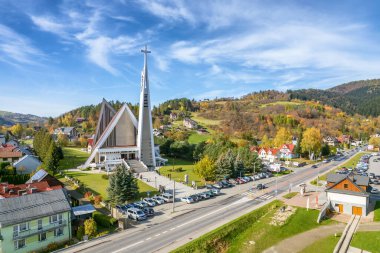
{"x": 15, "y": 179}
{"x": 104, "y": 220}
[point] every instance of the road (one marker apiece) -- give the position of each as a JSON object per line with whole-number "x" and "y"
{"x": 164, "y": 236}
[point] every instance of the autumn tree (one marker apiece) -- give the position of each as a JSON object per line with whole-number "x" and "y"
{"x": 90, "y": 227}
{"x": 311, "y": 142}
{"x": 375, "y": 141}
{"x": 205, "y": 168}
{"x": 283, "y": 136}
{"x": 265, "y": 142}
{"x": 17, "y": 130}
{"x": 63, "y": 140}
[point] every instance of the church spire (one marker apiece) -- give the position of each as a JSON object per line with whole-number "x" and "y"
{"x": 145, "y": 130}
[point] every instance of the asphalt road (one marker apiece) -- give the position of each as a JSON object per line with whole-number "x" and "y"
{"x": 159, "y": 237}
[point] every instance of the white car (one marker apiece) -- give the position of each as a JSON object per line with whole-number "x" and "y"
{"x": 149, "y": 201}
{"x": 158, "y": 200}
{"x": 167, "y": 197}
{"x": 188, "y": 200}
{"x": 375, "y": 191}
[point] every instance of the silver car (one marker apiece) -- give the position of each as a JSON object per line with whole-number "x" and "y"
{"x": 136, "y": 214}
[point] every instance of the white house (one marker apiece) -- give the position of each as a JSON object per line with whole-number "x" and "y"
{"x": 348, "y": 194}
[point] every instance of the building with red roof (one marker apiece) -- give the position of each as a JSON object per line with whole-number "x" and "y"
{"x": 12, "y": 190}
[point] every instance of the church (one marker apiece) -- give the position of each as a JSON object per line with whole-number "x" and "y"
{"x": 121, "y": 139}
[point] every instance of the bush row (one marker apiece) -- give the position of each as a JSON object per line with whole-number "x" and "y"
{"x": 104, "y": 220}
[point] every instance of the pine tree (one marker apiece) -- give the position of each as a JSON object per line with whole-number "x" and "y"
{"x": 52, "y": 158}
{"x": 225, "y": 165}
{"x": 298, "y": 148}
{"x": 239, "y": 165}
{"x": 122, "y": 186}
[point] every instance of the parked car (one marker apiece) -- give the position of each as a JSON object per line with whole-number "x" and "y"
{"x": 120, "y": 209}
{"x": 128, "y": 206}
{"x": 314, "y": 166}
{"x": 247, "y": 179}
{"x": 195, "y": 197}
{"x": 167, "y": 197}
{"x": 158, "y": 200}
{"x": 375, "y": 191}
{"x": 227, "y": 184}
{"x": 215, "y": 191}
{"x": 204, "y": 195}
{"x": 230, "y": 181}
{"x": 218, "y": 185}
{"x": 136, "y": 214}
{"x": 141, "y": 204}
{"x": 188, "y": 200}
{"x": 149, "y": 201}
{"x": 148, "y": 211}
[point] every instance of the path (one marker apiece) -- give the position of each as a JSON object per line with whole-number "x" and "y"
{"x": 301, "y": 241}
{"x": 153, "y": 179}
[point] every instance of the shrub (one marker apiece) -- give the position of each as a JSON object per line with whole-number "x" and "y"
{"x": 104, "y": 176}
{"x": 88, "y": 195}
{"x": 90, "y": 227}
{"x": 179, "y": 169}
{"x": 104, "y": 220}
{"x": 80, "y": 233}
{"x": 52, "y": 246}
{"x": 102, "y": 233}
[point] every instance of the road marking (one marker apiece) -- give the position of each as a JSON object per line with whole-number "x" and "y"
{"x": 129, "y": 246}
{"x": 147, "y": 239}
{"x": 173, "y": 228}
{"x": 157, "y": 235}
{"x": 164, "y": 231}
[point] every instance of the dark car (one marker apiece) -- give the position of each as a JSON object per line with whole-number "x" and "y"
{"x": 314, "y": 166}
{"x": 260, "y": 186}
{"x": 148, "y": 211}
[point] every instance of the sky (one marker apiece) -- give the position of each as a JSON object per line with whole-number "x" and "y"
{"x": 59, "y": 55}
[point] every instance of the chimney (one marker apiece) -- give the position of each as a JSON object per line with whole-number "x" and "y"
{"x": 21, "y": 192}
{"x": 33, "y": 190}
{"x": 5, "y": 188}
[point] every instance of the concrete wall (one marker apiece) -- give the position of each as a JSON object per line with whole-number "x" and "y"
{"x": 348, "y": 201}
{"x": 125, "y": 131}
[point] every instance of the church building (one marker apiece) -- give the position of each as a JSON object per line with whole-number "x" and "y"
{"x": 121, "y": 139}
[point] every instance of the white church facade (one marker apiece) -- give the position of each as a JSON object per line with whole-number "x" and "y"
{"x": 121, "y": 139}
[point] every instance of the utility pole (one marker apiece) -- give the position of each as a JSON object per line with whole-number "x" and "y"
{"x": 173, "y": 195}
{"x": 276, "y": 182}
{"x": 155, "y": 182}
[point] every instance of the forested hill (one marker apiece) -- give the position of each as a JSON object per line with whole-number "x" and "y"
{"x": 10, "y": 118}
{"x": 362, "y": 97}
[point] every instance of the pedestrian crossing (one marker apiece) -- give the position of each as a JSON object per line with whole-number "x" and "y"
{"x": 254, "y": 196}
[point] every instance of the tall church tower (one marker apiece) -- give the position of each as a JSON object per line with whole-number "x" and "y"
{"x": 145, "y": 129}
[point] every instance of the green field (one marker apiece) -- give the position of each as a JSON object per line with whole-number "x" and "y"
{"x": 290, "y": 195}
{"x": 195, "y": 138}
{"x": 203, "y": 121}
{"x": 281, "y": 103}
{"x": 369, "y": 241}
{"x": 73, "y": 157}
{"x": 254, "y": 227}
{"x": 99, "y": 185}
{"x": 187, "y": 168}
{"x": 326, "y": 244}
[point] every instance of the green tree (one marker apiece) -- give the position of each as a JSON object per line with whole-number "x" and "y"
{"x": 225, "y": 165}
{"x": 205, "y": 168}
{"x": 312, "y": 142}
{"x": 325, "y": 150}
{"x": 198, "y": 150}
{"x": 122, "y": 186}
{"x": 63, "y": 140}
{"x": 239, "y": 165}
{"x": 265, "y": 142}
{"x": 90, "y": 227}
{"x": 298, "y": 149}
{"x": 51, "y": 160}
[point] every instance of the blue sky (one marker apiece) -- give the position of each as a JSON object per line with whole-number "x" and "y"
{"x": 58, "y": 55}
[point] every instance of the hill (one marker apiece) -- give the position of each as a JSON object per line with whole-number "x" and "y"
{"x": 362, "y": 97}
{"x": 10, "y": 118}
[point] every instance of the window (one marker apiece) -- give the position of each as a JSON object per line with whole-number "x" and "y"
{"x": 54, "y": 218}
{"x": 39, "y": 224}
{"x": 58, "y": 232}
{"x": 345, "y": 186}
{"x": 19, "y": 244}
{"x": 41, "y": 237}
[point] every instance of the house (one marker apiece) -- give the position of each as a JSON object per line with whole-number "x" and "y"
{"x": 27, "y": 164}
{"x": 80, "y": 120}
{"x": 173, "y": 116}
{"x": 269, "y": 154}
{"x": 31, "y": 222}
{"x": 345, "y": 139}
{"x": 348, "y": 193}
{"x": 189, "y": 123}
{"x": 70, "y": 132}
{"x": 202, "y": 131}
{"x": 286, "y": 151}
{"x": 331, "y": 141}
{"x": 83, "y": 211}
{"x": 8, "y": 153}
{"x": 90, "y": 144}
{"x": 2, "y": 139}
{"x": 43, "y": 176}
{"x": 13, "y": 143}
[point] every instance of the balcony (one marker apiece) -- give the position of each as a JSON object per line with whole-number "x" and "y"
{"x": 34, "y": 231}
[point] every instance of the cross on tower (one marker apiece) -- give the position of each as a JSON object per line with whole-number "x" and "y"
{"x": 145, "y": 51}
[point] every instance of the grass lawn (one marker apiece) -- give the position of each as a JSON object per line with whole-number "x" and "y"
{"x": 377, "y": 212}
{"x": 281, "y": 103}
{"x": 326, "y": 244}
{"x": 350, "y": 163}
{"x": 203, "y": 121}
{"x": 28, "y": 142}
{"x": 195, "y": 138}
{"x": 99, "y": 185}
{"x": 369, "y": 241}
{"x": 255, "y": 226}
{"x": 73, "y": 157}
{"x": 290, "y": 195}
{"x": 187, "y": 168}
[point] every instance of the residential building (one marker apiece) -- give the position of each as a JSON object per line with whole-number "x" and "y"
{"x": 43, "y": 176}
{"x": 345, "y": 139}
{"x": 71, "y": 133}
{"x": 348, "y": 194}
{"x": 331, "y": 141}
{"x": 189, "y": 123}
{"x": 269, "y": 154}
{"x": 31, "y": 222}
{"x": 27, "y": 164}
{"x": 2, "y": 139}
{"x": 13, "y": 143}
{"x": 286, "y": 151}
{"x": 9, "y": 153}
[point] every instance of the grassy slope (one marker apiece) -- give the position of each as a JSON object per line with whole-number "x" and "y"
{"x": 281, "y": 103}
{"x": 326, "y": 244}
{"x": 73, "y": 157}
{"x": 195, "y": 138}
{"x": 234, "y": 236}
{"x": 188, "y": 168}
{"x": 99, "y": 185}
{"x": 369, "y": 241}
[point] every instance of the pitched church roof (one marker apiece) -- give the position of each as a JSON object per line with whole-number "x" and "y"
{"x": 107, "y": 112}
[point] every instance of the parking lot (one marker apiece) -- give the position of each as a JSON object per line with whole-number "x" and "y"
{"x": 374, "y": 167}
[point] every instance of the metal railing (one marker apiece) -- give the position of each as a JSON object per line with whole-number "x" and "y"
{"x": 30, "y": 232}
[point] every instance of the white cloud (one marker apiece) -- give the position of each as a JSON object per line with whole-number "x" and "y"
{"x": 48, "y": 24}
{"x": 15, "y": 48}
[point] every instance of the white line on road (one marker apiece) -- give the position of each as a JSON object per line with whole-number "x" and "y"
{"x": 157, "y": 235}
{"x": 147, "y": 239}
{"x": 165, "y": 232}
{"x": 173, "y": 228}
{"x": 129, "y": 246}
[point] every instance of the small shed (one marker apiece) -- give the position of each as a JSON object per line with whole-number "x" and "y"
{"x": 83, "y": 211}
